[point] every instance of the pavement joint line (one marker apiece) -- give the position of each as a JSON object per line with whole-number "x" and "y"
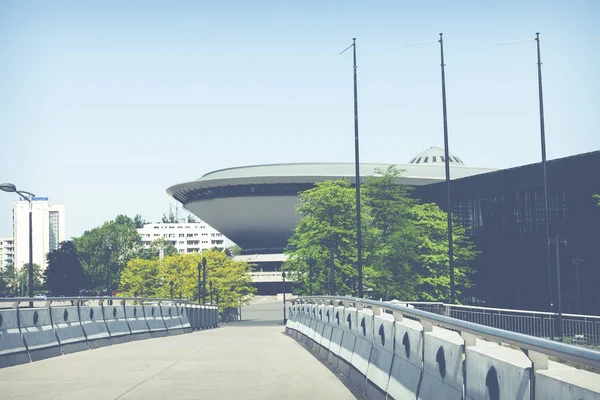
{"x": 161, "y": 371}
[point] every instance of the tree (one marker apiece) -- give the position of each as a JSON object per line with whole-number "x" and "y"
{"x": 64, "y": 274}
{"x": 142, "y": 277}
{"x": 104, "y": 252}
{"x": 597, "y": 197}
{"x": 157, "y": 247}
{"x": 392, "y": 240}
{"x": 325, "y": 234}
{"x": 139, "y": 221}
{"x": 23, "y": 278}
{"x": 233, "y": 251}
{"x": 11, "y": 281}
{"x": 231, "y": 279}
{"x": 191, "y": 219}
{"x": 434, "y": 269}
{"x": 171, "y": 218}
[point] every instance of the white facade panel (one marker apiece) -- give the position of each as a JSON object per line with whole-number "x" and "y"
{"x": 48, "y": 227}
{"x": 187, "y": 237}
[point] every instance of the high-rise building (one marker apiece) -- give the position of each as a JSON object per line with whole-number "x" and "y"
{"x": 187, "y": 237}
{"x": 48, "y": 226}
{"x": 6, "y": 252}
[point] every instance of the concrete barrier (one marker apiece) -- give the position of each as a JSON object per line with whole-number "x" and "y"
{"x": 381, "y": 358}
{"x": 203, "y": 317}
{"x": 68, "y": 329}
{"x": 38, "y": 333}
{"x": 348, "y": 341}
{"x": 337, "y": 333}
{"x": 495, "y": 372}
{"x": 408, "y": 357}
{"x": 311, "y": 325}
{"x": 304, "y": 322}
{"x": 442, "y": 365}
{"x": 134, "y": 314}
{"x": 155, "y": 322}
{"x": 325, "y": 341}
{"x": 183, "y": 318}
{"x": 12, "y": 346}
{"x": 92, "y": 322}
{"x": 171, "y": 319}
{"x": 192, "y": 313}
{"x": 118, "y": 328}
{"x": 362, "y": 348}
{"x": 560, "y": 381}
{"x": 317, "y": 337}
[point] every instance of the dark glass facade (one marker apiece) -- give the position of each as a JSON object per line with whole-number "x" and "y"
{"x": 505, "y": 215}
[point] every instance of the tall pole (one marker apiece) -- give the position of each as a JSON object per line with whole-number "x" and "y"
{"x": 447, "y": 163}
{"x": 204, "y": 280}
{"x": 211, "y": 292}
{"x": 357, "y": 178}
{"x": 199, "y": 296}
{"x": 310, "y": 276}
{"x": 578, "y": 297}
{"x": 284, "y": 310}
{"x": 332, "y": 267}
{"x": 558, "y": 288}
{"x": 543, "y": 139}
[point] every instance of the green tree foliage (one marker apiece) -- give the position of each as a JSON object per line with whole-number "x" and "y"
{"x": 191, "y": 219}
{"x": 11, "y": 282}
{"x": 326, "y": 233}
{"x": 104, "y": 252}
{"x": 157, "y": 247}
{"x": 231, "y": 279}
{"x": 405, "y": 250}
{"x": 433, "y": 260}
{"x": 142, "y": 277}
{"x": 23, "y": 278}
{"x": 597, "y": 197}
{"x": 233, "y": 251}
{"x": 139, "y": 221}
{"x": 392, "y": 237}
{"x": 64, "y": 274}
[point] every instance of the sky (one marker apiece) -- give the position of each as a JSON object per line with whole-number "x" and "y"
{"x": 104, "y": 105}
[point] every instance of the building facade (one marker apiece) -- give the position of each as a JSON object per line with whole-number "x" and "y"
{"x": 504, "y": 213}
{"x": 7, "y": 252}
{"x": 48, "y": 227}
{"x": 187, "y": 237}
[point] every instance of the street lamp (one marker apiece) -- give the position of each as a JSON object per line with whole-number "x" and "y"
{"x": 284, "y": 316}
{"x": 311, "y": 263}
{"x": 446, "y": 162}
{"x": 543, "y": 142}
{"x": 357, "y": 175}
{"x": 210, "y": 285}
{"x": 10, "y": 188}
{"x": 171, "y": 283}
{"x": 199, "y": 272}
{"x": 204, "y": 280}
{"x": 578, "y": 261}
{"x": 558, "y": 281}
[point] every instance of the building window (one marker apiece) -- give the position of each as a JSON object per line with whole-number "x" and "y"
{"x": 435, "y": 161}
{"x": 182, "y": 235}
{"x": 53, "y": 235}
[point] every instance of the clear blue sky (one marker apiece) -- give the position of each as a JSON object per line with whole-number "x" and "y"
{"x": 105, "y": 104}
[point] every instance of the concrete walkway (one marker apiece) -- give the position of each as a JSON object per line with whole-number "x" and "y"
{"x": 236, "y": 361}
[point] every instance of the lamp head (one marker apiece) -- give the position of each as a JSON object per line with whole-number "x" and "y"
{"x": 204, "y": 261}
{"x": 8, "y": 187}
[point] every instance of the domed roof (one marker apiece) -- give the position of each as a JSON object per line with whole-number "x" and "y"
{"x": 434, "y": 155}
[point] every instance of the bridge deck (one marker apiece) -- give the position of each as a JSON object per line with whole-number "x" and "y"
{"x": 239, "y": 360}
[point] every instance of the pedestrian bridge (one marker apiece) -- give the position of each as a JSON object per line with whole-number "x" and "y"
{"x": 330, "y": 348}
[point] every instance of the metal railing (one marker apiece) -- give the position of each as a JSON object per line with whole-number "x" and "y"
{"x": 578, "y": 329}
{"x": 15, "y": 302}
{"x": 469, "y": 329}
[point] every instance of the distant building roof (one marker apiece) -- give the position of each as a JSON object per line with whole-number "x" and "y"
{"x": 256, "y": 258}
